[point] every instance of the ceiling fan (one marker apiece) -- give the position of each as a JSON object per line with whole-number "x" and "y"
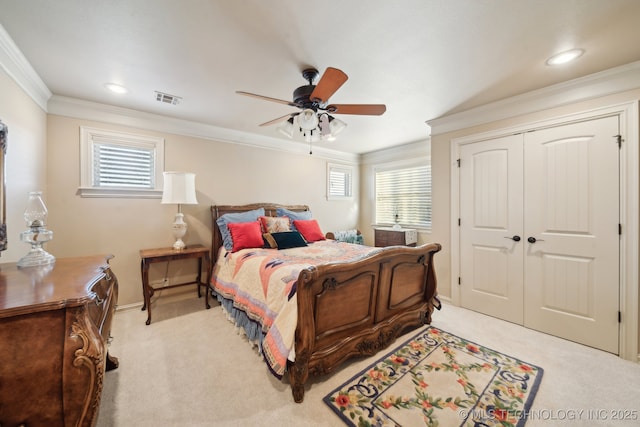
{"x": 313, "y": 101}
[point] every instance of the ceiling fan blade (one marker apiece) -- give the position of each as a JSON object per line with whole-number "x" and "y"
{"x": 266, "y": 98}
{"x": 363, "y": 109}
{"x": 329, "y": 83}
{"x": 279, "y": 119}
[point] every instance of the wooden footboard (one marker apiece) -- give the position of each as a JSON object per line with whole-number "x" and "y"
{"x": 356, "y": 309}
{"x": 351, "y": 309}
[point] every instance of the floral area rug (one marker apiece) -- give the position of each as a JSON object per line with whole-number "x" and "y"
{"x": 439, "y": 379}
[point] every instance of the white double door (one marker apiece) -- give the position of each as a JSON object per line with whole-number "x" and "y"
{"x": 539, "y": 230}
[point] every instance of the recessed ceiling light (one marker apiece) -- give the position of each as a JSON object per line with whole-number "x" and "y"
{"x": 116, "y": 88}
{"x": 564, "y": 57}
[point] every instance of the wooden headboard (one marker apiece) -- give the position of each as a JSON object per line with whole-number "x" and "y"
{"x": 218, "y": 210}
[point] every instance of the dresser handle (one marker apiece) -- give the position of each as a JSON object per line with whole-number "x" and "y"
{"x": 106, "y": 272}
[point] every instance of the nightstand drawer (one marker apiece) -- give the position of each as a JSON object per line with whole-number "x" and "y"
{"x": 395, "y": 237}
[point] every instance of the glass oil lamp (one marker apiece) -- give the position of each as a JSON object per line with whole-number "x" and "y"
{"x": 37, "y": 234}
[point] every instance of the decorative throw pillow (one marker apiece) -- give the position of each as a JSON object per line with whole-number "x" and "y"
{"x": 285, "y": 240}
{"x": 245, "y": 235}
{"x": 271, "y": 224}
{"x": 226, "y": 219}
{"x": 269, "y": 241}
{"x": 292, "y": 215}
{"x": 309, "y": 229}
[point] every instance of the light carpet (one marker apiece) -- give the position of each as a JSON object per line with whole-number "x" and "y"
{"x": 189, "y": 368}
{"x": 437, "y": 378}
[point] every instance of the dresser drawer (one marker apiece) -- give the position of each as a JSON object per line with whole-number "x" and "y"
{"x": 97, "y": 307}
{"x": 102, "y": 307}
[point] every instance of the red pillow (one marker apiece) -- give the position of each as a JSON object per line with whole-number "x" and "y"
{"x": 245, "y": 235}
{"x": 309, "y": 229}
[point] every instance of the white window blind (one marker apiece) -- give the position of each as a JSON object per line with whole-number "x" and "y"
{"x": 121, "y": 166}
{"x": 406, "y": 193}
{"x": 339, "y": 181}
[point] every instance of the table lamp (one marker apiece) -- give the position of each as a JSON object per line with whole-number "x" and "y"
{"x": 179, "y": 189}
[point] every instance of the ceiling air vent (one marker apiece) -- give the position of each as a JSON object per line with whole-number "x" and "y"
{"x": 168, "y": 99}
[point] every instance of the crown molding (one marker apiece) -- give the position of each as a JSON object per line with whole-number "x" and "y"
{"x": 618, "y": 79}
{"x": 87, "y": 110}
{"x": 19, "y": 69}
{"x": 418, "y": 149}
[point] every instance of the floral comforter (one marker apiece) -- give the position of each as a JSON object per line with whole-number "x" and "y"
{"x": 261, "y": 284}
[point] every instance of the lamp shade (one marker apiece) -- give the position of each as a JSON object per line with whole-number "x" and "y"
{"x": 286, "y": 128}
{"x": 307, "y": 120}
{"x": 179, "y": 188}
{"x": 336, "y": 125}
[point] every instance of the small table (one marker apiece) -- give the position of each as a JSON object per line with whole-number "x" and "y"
{"x": 150, "y": 256}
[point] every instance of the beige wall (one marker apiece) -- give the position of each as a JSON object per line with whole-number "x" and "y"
{"x": 225, "y": 174}
{"x": 26, "y": 165}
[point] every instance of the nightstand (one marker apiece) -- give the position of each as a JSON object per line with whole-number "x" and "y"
{"x": 150, "y": 256}
{"x": 389, "y": 236}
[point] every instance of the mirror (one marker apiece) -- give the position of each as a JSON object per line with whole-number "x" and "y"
{"x": 3, "y": 219}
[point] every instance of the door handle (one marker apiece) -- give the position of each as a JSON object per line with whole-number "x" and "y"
{"x": 533, "y": 240}
{"x": 515, "y": 238}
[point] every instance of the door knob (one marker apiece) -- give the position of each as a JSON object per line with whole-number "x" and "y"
{"x": 515, "y": 238}
{"x": 533, "y": 240}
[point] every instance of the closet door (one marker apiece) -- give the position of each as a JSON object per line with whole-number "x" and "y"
{"x": 571, "y": 237}
{"x": 491, "y": 224}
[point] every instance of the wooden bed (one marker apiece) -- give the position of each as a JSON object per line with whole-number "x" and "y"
{"x": 354, "y": 309}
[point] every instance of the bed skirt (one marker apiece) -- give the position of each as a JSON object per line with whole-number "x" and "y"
{"x": 245, "y": 325}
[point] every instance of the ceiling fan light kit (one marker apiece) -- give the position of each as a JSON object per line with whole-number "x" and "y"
{"x": 307, "y": 120}
{"x": 324, "y": 125}
{"x": 337, "y": 126}
{"x": 314, "y": 122}
{"x": 286, "y": 128}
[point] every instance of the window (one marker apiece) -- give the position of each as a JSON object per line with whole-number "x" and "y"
{"x": 339, "y": 181}
{"x": 117, "y": 164}
{"x": 403, "y": 195}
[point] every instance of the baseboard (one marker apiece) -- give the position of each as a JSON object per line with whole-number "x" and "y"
{"x": 170, "y": 295}
{"x": 445, "y": 299}
{"x": 137, "y": 305}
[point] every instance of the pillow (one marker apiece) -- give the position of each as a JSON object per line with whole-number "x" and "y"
{"x": 309, "y": 229}
{"x": 272, "y": 224}
{"x": 245, "y": 235}
{"x": 226, "y": 219}
{"x": 269, "y": 241}
{"x": 285, "y": 240}
{"x": 305, "y": 215}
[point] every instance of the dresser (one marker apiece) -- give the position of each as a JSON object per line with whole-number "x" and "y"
{"x": 389, "y": 236}
{"x": 55, "y": 324}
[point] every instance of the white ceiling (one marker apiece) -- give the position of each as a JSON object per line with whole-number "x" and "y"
{"x": 422, "y": 58}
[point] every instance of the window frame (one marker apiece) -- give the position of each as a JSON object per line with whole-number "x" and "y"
{"x": 90, "y": 137}
{"x": 398, "y": 165}
{"x": 347, "y": 190}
